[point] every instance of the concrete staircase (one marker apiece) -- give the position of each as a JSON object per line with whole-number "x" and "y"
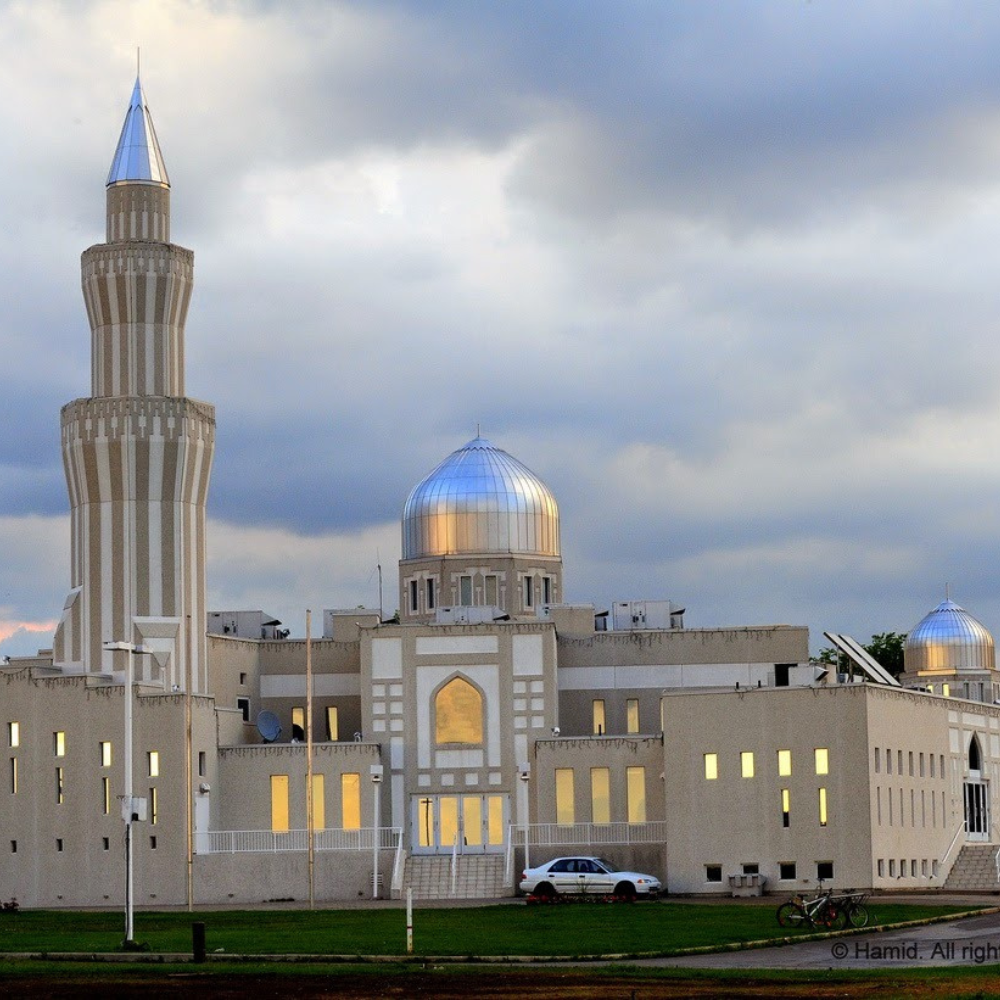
{"x": 974, "y": 870}
{"x": 477, "y": 876}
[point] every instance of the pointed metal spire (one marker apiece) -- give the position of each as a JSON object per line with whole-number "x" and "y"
{"x": 138, "y": 159}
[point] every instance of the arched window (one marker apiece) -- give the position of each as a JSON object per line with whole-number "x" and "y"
{"x": 458, "y": 713}
{"x": 975, "y": 756}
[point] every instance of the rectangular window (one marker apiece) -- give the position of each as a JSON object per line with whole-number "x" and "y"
{"x": 243, "y": 704}
{"x": 59, "y": 743}
{"x": 153, "y": 763}
{"x": 786, "y": 800}
{"x": 822, "y": 807}
{"x": 332, "y": 723}
{"x": 492, "y": 593}
{"x": 59, "y": 844}
{"x": 465, "y": 591}
{"x": 13, "y": 776}
{"x": 881, "y": 867}
{"x": 713, "y": 873}
{"x": 600, "y": 795}
{"x": 154, "y": 807}
{"x": 431, "y": 602}
{"x": 106, "y": 795}
{"x": 201, "y": 764}
{"x": 546, "y": 590}
{"x": 529, "y": 591}
{"x": 932, "y": 764}
{"x": 414, "y": 596}
{"x": 105, "y": 843}
{"x": 892, "y": 867}
{"x": 14, "y": 734}
{"x": 888, "y": 761}
{"x": 279, "y": 803}
{"x": 786, "y": 871}
{"x": 746, "y": 763}
{"x": 824, "y": 870}
{"x": 751, "y": 868}
{"x": 152, "y": 843}
{"x": 784, "y": 763}
{"x": 910, "y": 762}
{"x": 319, "y": 802}
{"x": 565, "y": 804}
{"x": 350, "y": 801}
{"x": 822, "y": 760}
{"x": 635, "y": 787}
{"x": 711, "y": 766}
{"x": 598, "y": 717}
{"x": 298, "y": 719}
{"x": 899, "y": 761}
{"x": 105, "y": 754}
{"x": 243, "y": 680}
{"x": 878, "y": 761}
{"x": 632, "y": 715}
{"x": 922, "y": 764}
{"x": 13, "y": 847}
{"x": 941, "y": 768}
{"x": 59, "y": 785}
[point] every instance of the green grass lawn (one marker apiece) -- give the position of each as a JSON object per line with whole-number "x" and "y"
{"x": 569, "y": 930}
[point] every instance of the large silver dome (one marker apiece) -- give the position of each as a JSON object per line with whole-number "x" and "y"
{"x": 480, "y": 499}
{"x": 949, "y": 639}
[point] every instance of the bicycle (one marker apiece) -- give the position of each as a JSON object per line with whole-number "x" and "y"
{"x": 852, "y": 905}
{"x": 819, "y": 911}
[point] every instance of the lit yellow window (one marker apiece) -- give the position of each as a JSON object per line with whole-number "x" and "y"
{"x": 495, "y": 819}
{"x": 822, "y": 760}
{"x": 784, "y": 763}
{"x": 153, "y": 758}
{"x": 472, "y": 820}
{"x": 711, "y": 766}
{"x": 332, "y": 723}
{"x": 319, "y": 802}
{"x": 632, "y": 715}
{"x": 350, "y": 801}
{"x": 59, "y": 743}
{"x": 13, "y": 776}
{"x": 786, "y": 802}
{"x": 105, "y": 754}
{"x": 822, "y": 807}
{"x": 154, "y": 806}
{"x": 635, "y": 786}
{"x": 279, "y": 803}
{"x": 600, "y": 795}
{"x": 59, "y": 785}
{"x": 298, "y": 719}
{"x": 565, "y": 804}
{"x": 458, "y": 713}
{"x": 599, "y": 727}
{"x": 14, "y": 733}
{"x": 746, "y": 763}
{"x": 946, "y": 690}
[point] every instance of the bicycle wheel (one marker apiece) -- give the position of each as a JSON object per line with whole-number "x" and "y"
{"x": 832, "y": 917}
{"x": 791, "y": 915}
{"x": 859, "y": 916}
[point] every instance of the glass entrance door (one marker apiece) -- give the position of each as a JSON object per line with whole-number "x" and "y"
{"x": 475, "y": 823}
{"x": 977, "y": 810}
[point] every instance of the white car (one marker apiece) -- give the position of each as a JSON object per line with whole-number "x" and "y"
{"x": 586, "y": 876}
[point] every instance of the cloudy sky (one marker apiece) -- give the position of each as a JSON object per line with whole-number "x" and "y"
{"x": 723, "y": 274}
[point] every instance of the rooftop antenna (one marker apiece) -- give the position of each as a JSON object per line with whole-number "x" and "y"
{"x": 477, "y": 429}
{"x": 947, "y": 595}
{"x": 378, "y": 560}
{"x": 137, "y": 63}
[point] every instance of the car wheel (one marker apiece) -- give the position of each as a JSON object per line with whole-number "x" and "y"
{"x": 544, "y": 890}
{"x": 625, "y": 891}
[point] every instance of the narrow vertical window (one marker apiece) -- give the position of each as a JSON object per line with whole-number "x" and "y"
{"x": 529, "y": 591}
{"x": 786, "y": 807}
{"x": 350, "y": 801}
{"x": 431, "y": 601}
{"x": 279, "y": 803}
{"x": 711, "y": 766}
{"x": 492, "y": 593}
{"x": 414, "y": 596}
{"x": 201, "y": 764}
{"x": 565, "y": 804}
{"x": 59, "y": 743}
{"x": 13, "y": 776}
{"x": 465, "y": 591}
{"x": 105, "y": 795}
{"x": 332, "y": 723}
{"x": 600, "y": 795}
{"x": 243, "y": 704}
{"x": 153, "y": 762}
{"x": 598, "y": 717}
{"x": 59, "y": 785}
{"x": 878, "y": 761}
{"x": 546, "y": 589}
{"x": 746, "y": 763}
{"x": 784, "y": 763}
{"x": 154, "y": 806}
{"x": 319, "y": 802}
{"x": 632, "y": 715}
{"x": 910, "y": 762}
{"x": 823, "y": 760}
{"x": 922, "y": 764}
{"x": 105, "y": 754}
{"x": 298, "y": 725}
{"x": 822, "y": 807}
{"x": 14, "y": 733}
{"x": 635, "y": 787}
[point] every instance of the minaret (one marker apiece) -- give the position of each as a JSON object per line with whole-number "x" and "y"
{"x": 137, "y": 453}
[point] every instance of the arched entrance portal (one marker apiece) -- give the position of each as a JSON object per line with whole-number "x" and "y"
{"x": 977, "y": 796}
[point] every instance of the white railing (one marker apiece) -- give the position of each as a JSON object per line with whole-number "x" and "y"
{"x": 590, "y": 834}
{"x": 996, "y": 863}
{"x": 951, "y": 846}
{"x": 269, "y": 842}
{"x": 397, "y": 868}
{"x": 454, "y": 864}
{"x": 508, "y": 865}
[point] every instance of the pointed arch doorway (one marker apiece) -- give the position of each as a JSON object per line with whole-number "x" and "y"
{"x": 976, "y": 792}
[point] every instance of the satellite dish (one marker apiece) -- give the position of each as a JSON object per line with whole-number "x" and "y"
{"x": 268, "y": 726}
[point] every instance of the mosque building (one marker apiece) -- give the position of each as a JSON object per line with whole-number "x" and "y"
{"x": 494, "y": 724}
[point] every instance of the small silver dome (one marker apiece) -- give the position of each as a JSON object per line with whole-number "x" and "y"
{"x": 949, "y": 639}
{"x": 480, "y": 499}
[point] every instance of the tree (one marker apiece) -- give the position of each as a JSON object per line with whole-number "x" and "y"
{"x": 885, "y": 647}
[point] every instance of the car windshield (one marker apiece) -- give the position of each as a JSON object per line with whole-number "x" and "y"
{"x": 605, "y": 864}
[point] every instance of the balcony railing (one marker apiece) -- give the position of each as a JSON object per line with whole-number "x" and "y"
{"x": 270, "y": 842}
{"x": 590, "y": 834}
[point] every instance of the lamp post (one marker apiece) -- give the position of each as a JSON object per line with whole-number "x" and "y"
{"x": 128, "y": 802}
{"x": 525, "y": 776}
{"x": 376, "y": 771}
